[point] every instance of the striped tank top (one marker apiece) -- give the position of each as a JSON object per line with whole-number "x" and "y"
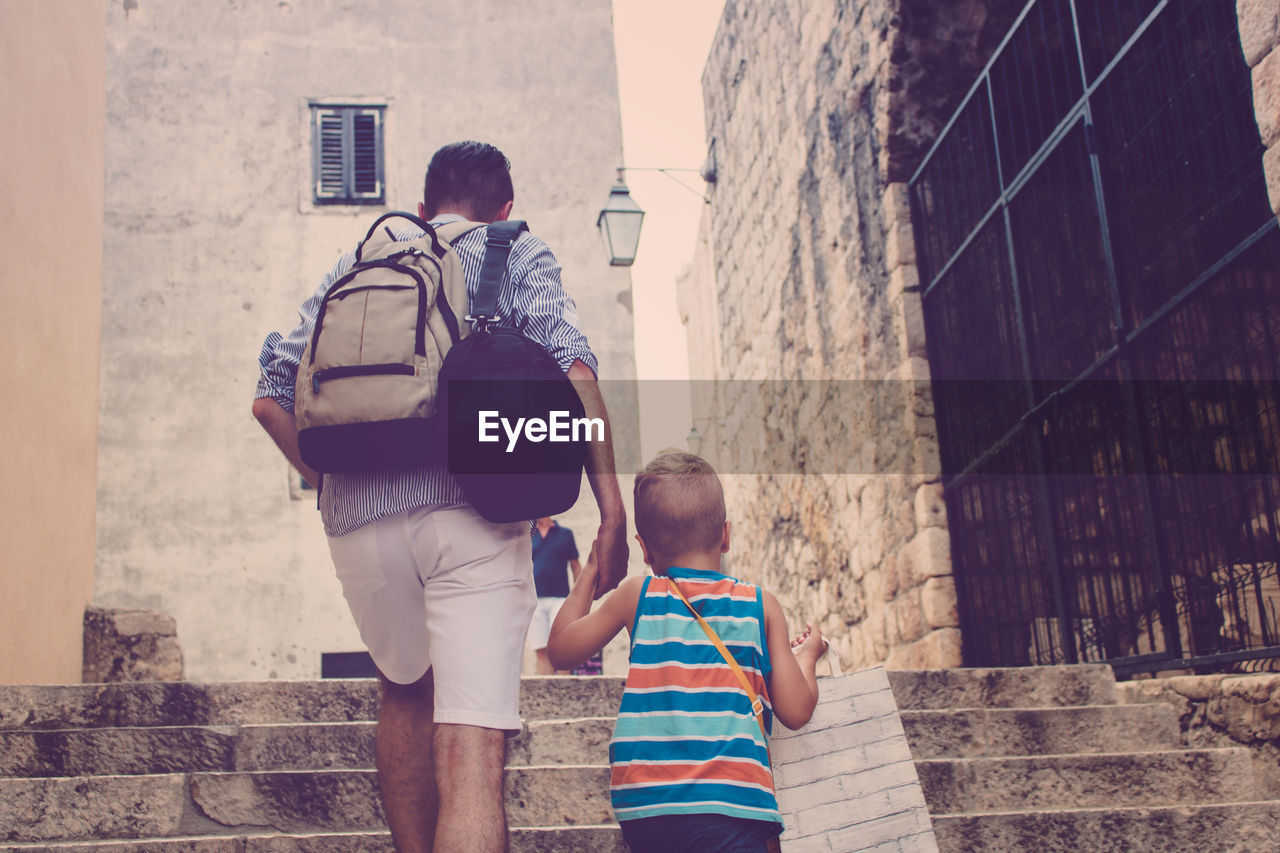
{"x": 686, "y": 740}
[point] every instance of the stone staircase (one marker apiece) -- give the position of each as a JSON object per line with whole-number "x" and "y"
{"x": 1046, "y": 759}
{"x": 271, "y": 767}
{"x": 1009, "y": 759}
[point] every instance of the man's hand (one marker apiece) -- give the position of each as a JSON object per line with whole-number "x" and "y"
{"x": 611, "y": 551}
{"x": 283, "y": 429}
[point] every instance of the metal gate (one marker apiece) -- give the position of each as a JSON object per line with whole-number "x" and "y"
{"x": 1100, "y": 270}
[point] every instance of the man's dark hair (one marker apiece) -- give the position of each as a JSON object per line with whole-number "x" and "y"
{"x": 472, "y": 176}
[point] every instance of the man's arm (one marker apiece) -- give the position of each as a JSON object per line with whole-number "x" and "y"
{"x": 611, "y": 538}
{"x": 278, "y": 371}
{"x": 283, "y": 429}
{"x": 541, "y": 309}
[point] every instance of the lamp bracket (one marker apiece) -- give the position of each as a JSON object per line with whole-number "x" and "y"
{"x": 707, "y": 175}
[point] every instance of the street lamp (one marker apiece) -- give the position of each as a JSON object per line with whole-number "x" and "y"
{"x": 619, "y": 224}
{"x": 694, "y": 440}
{"x": 619, "y": 221}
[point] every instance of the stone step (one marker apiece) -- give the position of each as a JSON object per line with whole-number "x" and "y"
{"x": 1010, "y": 687}
{"x": 118, "y": 751}
{"x": 569, "y": 839}
{"x": 156, "y": 703}
{"x": 158, "y": 806}
{"x": 1173, "y": 777}
{"x": 976, "y": 733}
{"x": 280, "y": 746}
{"x": 544, "y": 742}
{"x": 1221, "y": 828}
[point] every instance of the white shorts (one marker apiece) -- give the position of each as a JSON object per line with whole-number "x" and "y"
{"x": 441, "y": 588}
{"x": 543, "y": 615}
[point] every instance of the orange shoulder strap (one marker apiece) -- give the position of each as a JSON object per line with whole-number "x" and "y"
{"x": 756, "y": 705}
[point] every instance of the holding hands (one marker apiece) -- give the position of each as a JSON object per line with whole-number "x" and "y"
{"x": 590, "y": 574}
{"x": 609, "y": 553}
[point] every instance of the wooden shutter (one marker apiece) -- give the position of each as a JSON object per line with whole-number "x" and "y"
{"x": 366, "y": 171}
{"x": 347, "y": 154}
{"x": 327, "y": 143}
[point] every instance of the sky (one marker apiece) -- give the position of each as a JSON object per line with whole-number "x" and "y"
{"x": 662, "y": 46}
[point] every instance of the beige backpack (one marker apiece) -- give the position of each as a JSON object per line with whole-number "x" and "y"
{"x": 367, "y": 387}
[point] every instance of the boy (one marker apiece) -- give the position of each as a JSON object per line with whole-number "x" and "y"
{"x": 690, "y": 760}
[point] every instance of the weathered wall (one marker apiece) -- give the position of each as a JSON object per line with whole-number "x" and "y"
{"x": 130, "y": 645}
{"x": 1223, "y": 710}
{"x": 52, "y": 59}
{"x": 1260, "y": 38}
{"x": 211, "y": 242}
{"x": 820, "y": 112}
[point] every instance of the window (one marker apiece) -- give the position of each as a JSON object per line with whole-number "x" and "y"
{"x": 346, "y": 154}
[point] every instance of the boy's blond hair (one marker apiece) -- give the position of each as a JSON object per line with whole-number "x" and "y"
{"x": 679, "y": 505}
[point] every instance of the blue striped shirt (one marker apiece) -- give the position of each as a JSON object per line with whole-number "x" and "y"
{"x": 532, "y": 300}
{"x": 686, "y": 740}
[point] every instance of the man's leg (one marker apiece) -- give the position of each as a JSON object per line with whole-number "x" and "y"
{"x": 543, "y": 617}
{"x": 479, "y": 600}
{"x": 469, "y": 767}
{"x": 406, "y": 767}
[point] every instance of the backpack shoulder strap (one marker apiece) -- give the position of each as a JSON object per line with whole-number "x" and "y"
{"x": 498, "y": 241}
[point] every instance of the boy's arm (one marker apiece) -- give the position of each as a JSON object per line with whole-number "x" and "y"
{"x": 577, "y": 633}
{"x": 793, "y": 682}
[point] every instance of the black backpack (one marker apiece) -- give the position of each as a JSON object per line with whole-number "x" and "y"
{"x": 496, "y": 379}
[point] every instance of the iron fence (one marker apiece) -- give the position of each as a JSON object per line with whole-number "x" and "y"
{"x": 1101, "y": 289}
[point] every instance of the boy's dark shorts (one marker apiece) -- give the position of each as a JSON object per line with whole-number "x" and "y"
{"x": 698, "y": 833}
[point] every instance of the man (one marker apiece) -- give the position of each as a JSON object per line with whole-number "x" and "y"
{"x": 441, "y": 596}
{"x": 554, "y": 552}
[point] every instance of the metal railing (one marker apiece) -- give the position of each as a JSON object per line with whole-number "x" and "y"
{"x": 1100, "y": 270}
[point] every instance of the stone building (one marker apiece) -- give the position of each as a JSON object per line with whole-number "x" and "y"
{"x": 240, "y": 164}
{"x": 52, "y": 61}
{"x": 943, "y": 238}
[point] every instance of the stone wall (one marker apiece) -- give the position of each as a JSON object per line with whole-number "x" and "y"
{"x": 1223, "y": 710}
{"x": 130, "y": 645}
{"x": 820, "y": 111}
{"x": 1260, "y": 37}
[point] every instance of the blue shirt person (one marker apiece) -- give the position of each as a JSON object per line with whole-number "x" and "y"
{"x": 554, "y": 552}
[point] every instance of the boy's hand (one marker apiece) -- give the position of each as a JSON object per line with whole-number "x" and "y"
{"x": 809, "y": 646}
{"x": 591, "y": 570}
{"x": 578, "y": 631}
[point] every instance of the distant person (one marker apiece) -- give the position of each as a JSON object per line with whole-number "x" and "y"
{"x": 442, "y": 597}
{"x": 689, "y": 755}
{"x": 554, "y": 554}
